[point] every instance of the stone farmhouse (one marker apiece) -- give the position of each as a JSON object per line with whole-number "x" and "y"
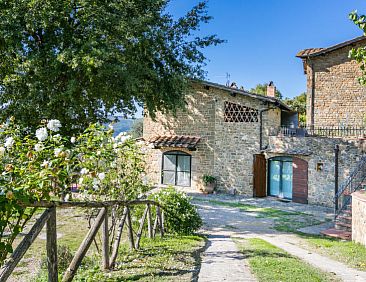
{"x": 334, "y": 96}
{"x": 252, "y": 143}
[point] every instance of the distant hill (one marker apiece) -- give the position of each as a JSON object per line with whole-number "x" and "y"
{"x": 123, "y": 125}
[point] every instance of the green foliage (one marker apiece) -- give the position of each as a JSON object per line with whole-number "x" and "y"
{"x": 261, "y": 89}
{"x": 38, "y": 166}
{"x": 208, "y": 179}
{"x": 359, "y": 54}
{"x": 182, "y": 217}
{"x": 136, "y": 130}
{"x": 298, "y": 104}
{"x": 171, "y": 258}
{"x": 80, "y": 61}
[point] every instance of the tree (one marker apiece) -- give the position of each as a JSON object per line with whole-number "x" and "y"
{"x": 359, "y": 54}
{"x": 298, "y": 104}
{"x": 80, "y": 61}
{"x": 136, "y": 130}
{"x": 261, "y": 89}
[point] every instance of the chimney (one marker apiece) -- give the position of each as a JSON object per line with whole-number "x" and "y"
{"x": 271, "y": 90}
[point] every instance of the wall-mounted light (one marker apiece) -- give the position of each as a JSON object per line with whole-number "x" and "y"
{"x": 319, "y": 166}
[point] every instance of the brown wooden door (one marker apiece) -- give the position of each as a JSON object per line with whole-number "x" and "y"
{"x": 259, "y": 176}
{"x": 300, "y": 181}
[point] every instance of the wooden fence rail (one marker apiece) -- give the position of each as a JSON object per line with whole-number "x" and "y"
{"x": 48, "y": 218}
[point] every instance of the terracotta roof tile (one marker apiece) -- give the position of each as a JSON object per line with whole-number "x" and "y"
{"x": 175, "y": 141}
{"x": 308, "y": 52}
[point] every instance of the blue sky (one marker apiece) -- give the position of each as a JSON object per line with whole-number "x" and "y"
{"x": 263, "y": 37}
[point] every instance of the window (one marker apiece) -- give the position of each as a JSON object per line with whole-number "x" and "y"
{"x": 238, "y": 113}
{"x": 176, "y": 169}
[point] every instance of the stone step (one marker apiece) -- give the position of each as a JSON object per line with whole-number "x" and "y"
{"x": 349, "y": 211}
{"x": 343, "y": 226}
{"x": 339, "y": 234}
{"x": 345, "y": 219}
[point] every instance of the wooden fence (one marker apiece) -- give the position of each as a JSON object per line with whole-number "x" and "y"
{"x": 48, "y": 218}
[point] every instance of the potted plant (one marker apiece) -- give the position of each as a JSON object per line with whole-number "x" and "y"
{"x": 209, "y": 182}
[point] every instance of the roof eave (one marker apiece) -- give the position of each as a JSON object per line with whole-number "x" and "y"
{"x": 275, "y": 101}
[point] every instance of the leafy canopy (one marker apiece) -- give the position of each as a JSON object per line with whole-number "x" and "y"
{"x": 80, "y": 60}
{"x": 359, "y": 54}
{"x": 298, "y": 103}
{"x": 262, "y": 90}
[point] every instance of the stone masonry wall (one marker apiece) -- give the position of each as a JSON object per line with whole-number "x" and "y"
{"x": 237, "y": 142}
{"x": 319, "y": 150}
{"x": 359, "y": 217}
{"x": 197, "y": 120}
{"x": 226, "y": 148}
{"x": 339, "y": 98}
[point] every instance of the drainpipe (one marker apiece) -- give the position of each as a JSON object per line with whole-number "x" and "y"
{"x": 336, "y": 157}
{"x": 312, "y": 97}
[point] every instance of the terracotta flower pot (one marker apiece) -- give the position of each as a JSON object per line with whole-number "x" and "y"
{"x": 209, "y": 187}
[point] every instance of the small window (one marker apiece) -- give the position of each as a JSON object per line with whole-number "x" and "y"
{"x": 176, "y": 169}
{"x": 238, "y": 113}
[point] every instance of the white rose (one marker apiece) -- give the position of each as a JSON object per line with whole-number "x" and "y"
{"x": 57, "y": 152}
{"x": 73, "y": 140}
{"x": 57, "y": 137}
{"x": 41, "y": 134}
{"x": 45, "y": 164}
{"x": 2, "y": 151}
{"x": 54, "y": 125}
{"x": 9, "y": 142}
{"x": 84, "y": 171}
{"x": 101, "y": 176}
{"x": 38, "y": 147}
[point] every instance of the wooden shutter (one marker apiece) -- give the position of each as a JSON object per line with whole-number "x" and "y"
{"x": 259, "y": 176}
{"x": 300, "y": 181}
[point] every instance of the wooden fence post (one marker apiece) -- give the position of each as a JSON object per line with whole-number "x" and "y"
{"x": 130, "y": 230}
{"x": 155, "y": 225}
{"x": 105, "y": 242}
{"x": 139, "y": 233}
{"x": 118, "y": 239}
{"x": 19, "y": 252}
{"x": 160, "y": 221}
{"x": 76, "y": 261}
{"x": 52, "y": 247}
{"x": 149, "y": 223}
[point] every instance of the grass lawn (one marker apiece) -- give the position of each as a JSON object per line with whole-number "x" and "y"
{"x": 172, "y": 258}
{"x": 347, "y": 252}
{"x": 283, "y": 220}
{"x": 269, "y": 263}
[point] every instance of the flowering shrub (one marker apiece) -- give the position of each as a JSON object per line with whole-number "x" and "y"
{"x": 183, "y": 217}
{"x": 36, "y": 167}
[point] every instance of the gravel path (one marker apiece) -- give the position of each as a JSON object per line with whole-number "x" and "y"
{"x": 222, "y": 261}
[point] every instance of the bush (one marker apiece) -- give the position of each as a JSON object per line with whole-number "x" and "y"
{"x": 181, "y": 216}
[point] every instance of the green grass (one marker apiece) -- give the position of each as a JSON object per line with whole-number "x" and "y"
{"x": 269, "y": 263}
{"x": 348, "y": 252}
{"x": 172, "y": 258}
{"x": 283, "y": 220}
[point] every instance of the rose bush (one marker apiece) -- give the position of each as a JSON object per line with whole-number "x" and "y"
{"x": 44, "y": 164}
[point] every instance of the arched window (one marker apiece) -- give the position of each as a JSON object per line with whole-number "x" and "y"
{"x": 176, "y": 168}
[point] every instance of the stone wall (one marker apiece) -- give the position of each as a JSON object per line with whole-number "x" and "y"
{"x": 226, "y": 148}
{"x": 339, "y": 99}
{"x": 319, "y": 150}
{"x": 359, "y": 217}
{"x": 196, "y": 120}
